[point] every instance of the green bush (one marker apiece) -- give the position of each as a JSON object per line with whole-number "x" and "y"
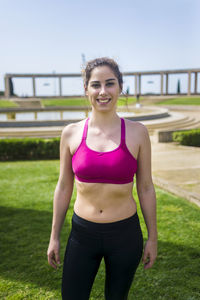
{"x": 29, "y": 149}
{"x": 188, "y": 138}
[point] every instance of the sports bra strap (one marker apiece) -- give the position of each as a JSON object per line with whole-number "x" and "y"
{"x": 85, "y": 130}
{"x": 123, "y": 130}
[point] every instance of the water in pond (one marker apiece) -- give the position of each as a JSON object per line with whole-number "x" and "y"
{"x": 52, "y": 115}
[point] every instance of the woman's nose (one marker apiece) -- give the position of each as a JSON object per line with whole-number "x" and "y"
{"x": 103, "y": 90}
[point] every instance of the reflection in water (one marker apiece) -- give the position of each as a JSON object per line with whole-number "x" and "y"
{"x": 51, "y": 115}
{"x": 27, "y": 116}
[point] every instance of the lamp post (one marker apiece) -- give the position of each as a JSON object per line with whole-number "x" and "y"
{"x": 138, "y": 104}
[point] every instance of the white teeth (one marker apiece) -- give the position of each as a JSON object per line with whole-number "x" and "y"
{"x": 103, "y": 101}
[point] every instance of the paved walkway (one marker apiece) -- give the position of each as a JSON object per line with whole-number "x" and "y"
{"x": 176, "y": 169}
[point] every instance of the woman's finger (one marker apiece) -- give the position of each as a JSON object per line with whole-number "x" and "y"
{"x": 57, "y": 257}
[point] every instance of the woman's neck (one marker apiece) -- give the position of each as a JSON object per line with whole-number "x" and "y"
{"x": 104, "y": 120}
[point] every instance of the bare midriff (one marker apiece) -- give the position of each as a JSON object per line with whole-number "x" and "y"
{"x": 104, "y": 202}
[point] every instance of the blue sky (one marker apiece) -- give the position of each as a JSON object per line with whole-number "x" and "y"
{"x": 45, "y": 36}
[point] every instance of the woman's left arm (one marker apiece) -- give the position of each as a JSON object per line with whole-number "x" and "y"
{"x": 147, "y": 196}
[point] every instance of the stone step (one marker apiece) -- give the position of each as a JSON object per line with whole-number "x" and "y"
{"x": 174, "y": 124}
{"x": 31, "y": 132}
{"x": 28, "y": 103}
{"x": 190, "y": 123}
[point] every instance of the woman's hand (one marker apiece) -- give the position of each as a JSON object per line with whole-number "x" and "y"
{"x": 53, "y": 253}
{"x": 150, "y": 253}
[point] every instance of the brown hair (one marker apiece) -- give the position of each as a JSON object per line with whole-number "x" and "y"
{"x": 98, "y": 62}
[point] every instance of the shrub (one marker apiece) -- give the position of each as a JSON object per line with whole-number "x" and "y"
{"x": 188, "y": 138}
{"x": 29, "y": 149}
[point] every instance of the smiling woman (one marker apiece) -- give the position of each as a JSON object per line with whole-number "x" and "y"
{"x": 103, "y": 153}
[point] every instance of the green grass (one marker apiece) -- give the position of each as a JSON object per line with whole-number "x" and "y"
{"x": 65, "y": 102}
{"x": 80, "y": 102}
{"x": 7, "y": 103}
{"x": 181, "y": 101}
{"x": 122, "y": 101}
{"x": 26, "y": 195}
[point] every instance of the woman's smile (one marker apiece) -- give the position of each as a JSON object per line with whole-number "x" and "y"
{"x": 103, "y": 100}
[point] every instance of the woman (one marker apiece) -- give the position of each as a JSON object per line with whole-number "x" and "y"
{"x": 104, "y": 153}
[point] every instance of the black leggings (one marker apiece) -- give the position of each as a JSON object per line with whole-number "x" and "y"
{"x": 119, "y": 243}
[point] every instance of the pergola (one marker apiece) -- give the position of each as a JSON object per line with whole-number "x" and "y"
{"x": 137, "y": 75}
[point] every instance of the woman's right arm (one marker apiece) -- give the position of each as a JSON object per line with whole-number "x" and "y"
{"x": 62, "y": 197}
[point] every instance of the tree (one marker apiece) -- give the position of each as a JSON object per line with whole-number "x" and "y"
{"x": 178, "y": 87}
{"x": 11, "y": 87}
{"x": 127, "y": 90}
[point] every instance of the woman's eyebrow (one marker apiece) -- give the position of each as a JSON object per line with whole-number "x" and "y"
{"x": 110, "y": 79}
{"x": 95, "y": 81}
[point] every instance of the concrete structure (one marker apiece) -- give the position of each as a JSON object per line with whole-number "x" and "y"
{"x": 137, "y": 75}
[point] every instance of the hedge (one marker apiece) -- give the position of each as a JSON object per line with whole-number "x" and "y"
{"x": 29, "y": 149}
{"x": 188, "y": 138}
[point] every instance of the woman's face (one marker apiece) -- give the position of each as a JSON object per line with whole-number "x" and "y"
{"x": 103, "y": 89}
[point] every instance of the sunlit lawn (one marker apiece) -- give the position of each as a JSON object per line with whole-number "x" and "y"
{"x": 26, "y": 195}
{"x": 82, "y": 101}
{"x": 122, "y": 101}
{"x": 7, "y": 103}
{"x": 181, "y": 101}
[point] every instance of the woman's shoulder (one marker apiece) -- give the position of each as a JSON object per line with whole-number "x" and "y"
{"x": 136, "y": 128}
{"x": 73, "y": 128}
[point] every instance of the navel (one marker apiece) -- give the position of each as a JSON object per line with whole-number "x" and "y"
{"x": 101, "y": 211}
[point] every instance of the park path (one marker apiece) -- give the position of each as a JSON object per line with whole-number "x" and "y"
{"x": 176, "y": 169}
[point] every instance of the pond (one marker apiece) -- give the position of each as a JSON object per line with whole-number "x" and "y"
{"x": 52, "y": 115}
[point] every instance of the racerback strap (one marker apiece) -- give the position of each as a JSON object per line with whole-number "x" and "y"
{"x": 85, "y": 130}
{"x": 123, "y": 131}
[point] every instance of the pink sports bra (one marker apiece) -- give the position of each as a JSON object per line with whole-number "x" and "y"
{"x": 117, "y": 166}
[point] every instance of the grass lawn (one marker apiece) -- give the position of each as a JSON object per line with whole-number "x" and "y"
{"x": 7, "y": 103}
{"x": 122, "y": 101}
{"x": 181, "y": 101}
{"x": 25, "y": 220}
{"x": 81, "y": 101}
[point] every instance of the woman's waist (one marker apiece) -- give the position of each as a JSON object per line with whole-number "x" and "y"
{"x": 101, "y": 191}
{"x": 103, "y": 210}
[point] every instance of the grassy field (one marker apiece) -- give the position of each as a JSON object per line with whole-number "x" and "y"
{"x": 122, "y": 101}
{"x": 7, "y": 103}
{"x": 181, "y": 101}
{"x": 81, "y": 102}
{"x": 25, "y": 220}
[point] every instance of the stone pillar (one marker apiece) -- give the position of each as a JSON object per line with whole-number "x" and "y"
{"x": 189, "y": 83}
{"x": 135, "y": 85}
{"x": 167, "y": 81}
{"x": 140, "y": 84}
{"x": 7, "y": 93}
{"x": 195, "y": 82}
{"x": 60, "y": 86}
{"x": 161, "y": 83}
{"x": 34, "y": 91}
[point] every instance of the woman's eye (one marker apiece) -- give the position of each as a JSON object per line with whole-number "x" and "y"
{"x": 96, "y": 86}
